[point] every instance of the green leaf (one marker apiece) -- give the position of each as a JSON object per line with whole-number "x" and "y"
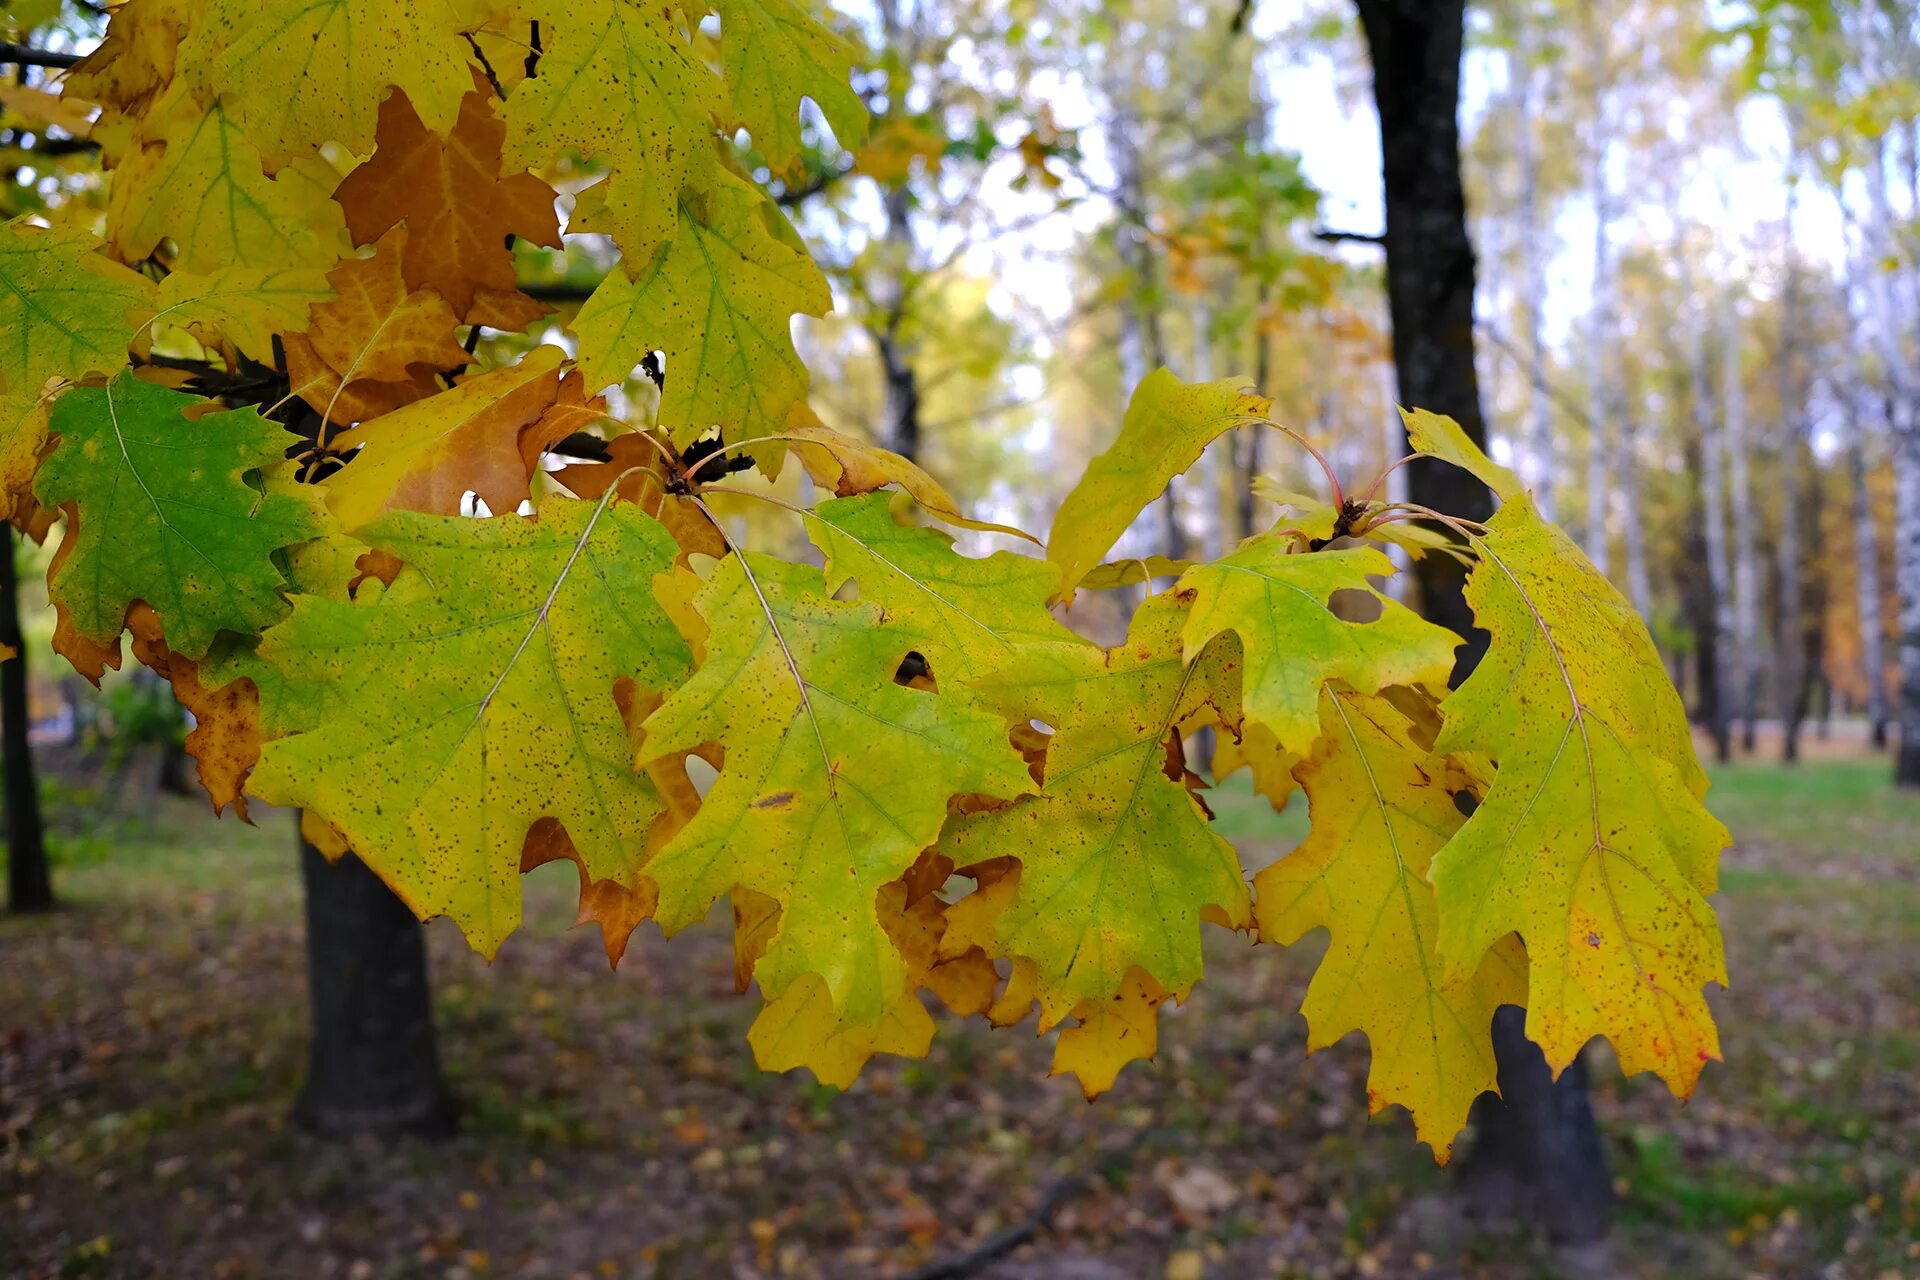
{"x": 1280, "y": 605}
{"x": 480, "y": 693}
{"x": 169, "y": 509}
{"x": 1167, "y": 425}
{"x": 835, "y": 777}
{"x": 1118, "y": 864}
{"x": 616, "y": 82}
{"x": 1591, "y": 842}
{"x": 774, "y": 52}
{"x": 966, "y": 615}
{"x": 720, "y": 301}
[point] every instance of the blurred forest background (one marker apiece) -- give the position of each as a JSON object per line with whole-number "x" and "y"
{"x": 1696, "y": 326}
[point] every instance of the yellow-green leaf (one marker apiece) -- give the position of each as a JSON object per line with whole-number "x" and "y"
{"x": 1118, "y": 863}
{"x": 296, "y": 73}
{"x": 201, "y": 184}
{"x": 249, "y": 305}
{"x": 1281, "y": 606}
{"x": 720, "y": 301}
{"x": 477, "y": 695}
{"x": 836, "y": 777}
{"x": 773, "y": 53}
{"x": 1591, "y": 842}
{"x": 1167, "y": 425}
{"x": 616, "y": 82}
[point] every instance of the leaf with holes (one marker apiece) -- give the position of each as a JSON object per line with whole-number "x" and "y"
{"x": 835, "y": 775}
{"x": 1118, "y": 864}
{"x": 1281, "y": 605}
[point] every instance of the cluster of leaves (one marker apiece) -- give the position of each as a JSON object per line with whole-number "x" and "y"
{"x": 248, "y": 398}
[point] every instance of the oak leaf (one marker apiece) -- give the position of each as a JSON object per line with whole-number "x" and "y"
{"x": 461, "y": 214}
{"x": 298, "y": 73}
{"x": 1591, "y": 842}
{"x": 482, "y": 436}
{"x": 835, "y": 777}
{"x": 161, "y": 487}
{"x": 1280, "y": 604}
{"x": 197, "y": 181}
{"x": 616, "y": 82}
{"x": 377, "y": 345}
{"x": 493, "y": 703}
{"x": 1168, "y": 424}
{"x": 1380, "y": 811}
{"x": 719, "y": 300}
{"x": 773, "y": 52}
{"x": 1118, "y": 864}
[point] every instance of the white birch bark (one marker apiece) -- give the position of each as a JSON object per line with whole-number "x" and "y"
{"x": 1713, "y": 500}
{"x": 1746, "y": 562}
{"x": 1789, "y": 659}
{"x": 1599, "y": 339}
{"x": 1539, "y": 429}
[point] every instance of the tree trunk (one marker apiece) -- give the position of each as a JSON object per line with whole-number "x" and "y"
{"x": 1539, "y": 1140}
{"x": 1789, "y": 667}
{"x": 373, "y": 1068}
{"x": 29, "y": 882}
{"x": 900, "y": 430}
{"x": 1715, "y": 621}
{"x": 1600, "y": 336}
{"x": 1746, "y": 557}
{"x": 1533, "y": 276}
{"x": 1627, "y": 468}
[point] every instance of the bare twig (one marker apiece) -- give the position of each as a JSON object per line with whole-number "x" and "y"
{"x": 21, "y": 55}
{"x": 1055, "y": 1198}
{"x": 1332, "y": 235}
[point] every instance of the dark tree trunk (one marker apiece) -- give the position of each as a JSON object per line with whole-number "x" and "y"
{"x": 373, "y": 1068}
{"x": 29, "y": 884}
{"x": 1538, "y": 1140}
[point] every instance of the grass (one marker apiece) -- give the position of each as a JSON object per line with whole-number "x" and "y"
{"x": 152, "y": 1033}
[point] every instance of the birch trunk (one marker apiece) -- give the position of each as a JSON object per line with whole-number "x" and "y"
{"x": 1717, "y": 698}
{"x": 1599, "y": 332}
{"x": 1789, "y": 666}
{"x": 1533, "y": 280}
{"x": 1746, "y": 562}
{"x": 1626, "y": 469}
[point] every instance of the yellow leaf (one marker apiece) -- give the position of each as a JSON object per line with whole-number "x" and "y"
{"x": 135, "y": 60}
{"x": 297, "y": 73}
{"x": 1167, "y": 425}
{"x": 248, "y": 305}
{"x": 1441, "y": 437}
{"x": 848, "y": 466}
{"x": 1380, "y": 810}
{"x": 719, "y": 300}
{"x": 775, "y": 51}
{"x": 1110, "y": 1034}
{"x": 617, "y": 83}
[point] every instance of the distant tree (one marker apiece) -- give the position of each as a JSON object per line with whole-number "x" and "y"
{"x": 29, "y": 882}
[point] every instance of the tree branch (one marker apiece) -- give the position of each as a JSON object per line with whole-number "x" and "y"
{"x": 1329, "y": 235}
{"x": 21, "y": 55}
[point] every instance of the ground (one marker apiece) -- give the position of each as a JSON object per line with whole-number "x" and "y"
{"x": 152, "y": 1035}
